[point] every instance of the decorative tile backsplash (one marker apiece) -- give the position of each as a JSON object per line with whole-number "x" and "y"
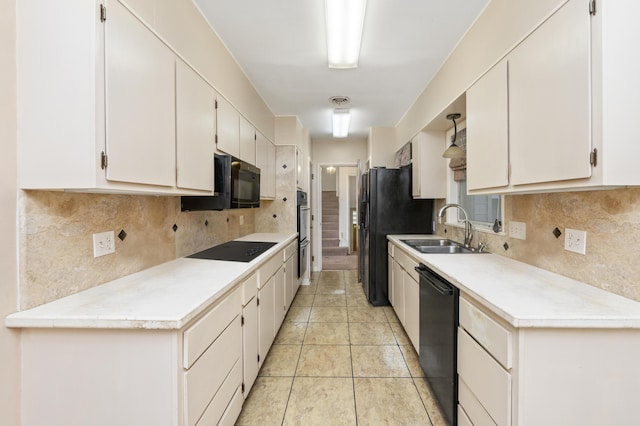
{"x": 56, "y": 254}
{"x": 610, "y": 217}
{"x": 56, "y": 248}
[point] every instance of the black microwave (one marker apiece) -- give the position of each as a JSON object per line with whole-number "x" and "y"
{"x": 236, "y": 186}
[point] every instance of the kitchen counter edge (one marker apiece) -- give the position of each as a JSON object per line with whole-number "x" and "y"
{"x": 527, "y": 296}
{"x": 124, "y": 303}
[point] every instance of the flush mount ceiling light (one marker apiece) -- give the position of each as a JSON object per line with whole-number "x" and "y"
{"x": 454, "y": 151}
{"x": 344, "y": 21}
{"x": 341, "y": 119}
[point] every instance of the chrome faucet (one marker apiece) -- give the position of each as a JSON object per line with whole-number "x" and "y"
{"x": 468, "y": 229}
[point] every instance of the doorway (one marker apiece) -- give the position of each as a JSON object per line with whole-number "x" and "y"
{"x": 338, "y": 202}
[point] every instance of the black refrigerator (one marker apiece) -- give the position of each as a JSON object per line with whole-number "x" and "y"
{"x": 386, "y": 208}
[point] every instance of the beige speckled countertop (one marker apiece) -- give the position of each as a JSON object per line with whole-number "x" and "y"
{"x": 527, "y": 296}
{"x": 166, "y": 296}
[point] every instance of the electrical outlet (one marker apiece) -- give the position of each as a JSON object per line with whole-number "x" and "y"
{"x": 103, "y": 243}
{"x": 575, "y": 241}
{"x": 518, "y": 230}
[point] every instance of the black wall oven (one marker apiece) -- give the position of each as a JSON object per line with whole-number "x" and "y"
{"x": 303, "y": 229}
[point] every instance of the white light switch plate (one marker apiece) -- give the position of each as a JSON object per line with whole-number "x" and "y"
{"x": 575, "y": 240}
{"x": 103, "y": 243}
{"x": 518, "y": 230}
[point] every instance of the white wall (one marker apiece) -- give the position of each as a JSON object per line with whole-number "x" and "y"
{"x": 329, "y": 180}
{"x": 382, "y": 146}
{"x": 9, "y": 342}
{"x": 338, "y": 151}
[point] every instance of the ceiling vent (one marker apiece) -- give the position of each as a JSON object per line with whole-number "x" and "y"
{"x": 339, "y": 101}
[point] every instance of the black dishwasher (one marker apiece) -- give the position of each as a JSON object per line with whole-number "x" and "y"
{"x": 438, "y": 339}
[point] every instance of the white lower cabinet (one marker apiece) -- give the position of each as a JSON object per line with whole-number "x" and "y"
{"x": 412, "y": 310}
{"x": 291, "y": 274}
{"x": 266, "y": 318}
{"x": 250, "y": 350}
{"x": 280, "y": 302}
{"x": 542, "y": 376}
{"x": 405, "y": 293}
{"x": 197, "y": 375}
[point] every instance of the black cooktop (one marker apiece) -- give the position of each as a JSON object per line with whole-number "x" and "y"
{"x": 235, "y": 251}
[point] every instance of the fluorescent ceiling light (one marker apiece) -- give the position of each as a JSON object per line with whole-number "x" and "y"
{"x": 341, "y": 119}
{"x": 344, "y": 19}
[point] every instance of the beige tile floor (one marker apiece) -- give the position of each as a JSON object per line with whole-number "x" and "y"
{"x": 339, "y": 361}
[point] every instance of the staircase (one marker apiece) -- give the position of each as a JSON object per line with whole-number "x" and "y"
{"x": 330, "y": 237}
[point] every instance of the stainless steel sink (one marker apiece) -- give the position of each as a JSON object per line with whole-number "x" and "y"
{"x": 443, "y": 249}
{"x": 430, "y": 242}
{"x": 437, "y": 246}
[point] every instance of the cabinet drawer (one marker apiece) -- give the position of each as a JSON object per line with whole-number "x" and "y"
{"x": 269, "y": 268}
{"x": 232, "y": 412}
{"x": 290, "y": 250}
{"x": 249, "y": 288}
{"x": 222, "y": 404}
{"x": 473, "y": 409}
{"x": 408, "y": 264}
{"x": 485, "y": 378}
{"x": 199, "y": 336}
{"x": 496, "y": 339}
{"x": 205, "y": 377}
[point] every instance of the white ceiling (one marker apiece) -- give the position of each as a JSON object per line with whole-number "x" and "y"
{"x": 281, "y": 46}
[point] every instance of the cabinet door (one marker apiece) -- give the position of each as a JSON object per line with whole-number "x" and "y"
{"x": 398, "y": 288}
{"x": 247, "y": 141}
{"x": 140, "y": 102}
{"x": 250, "y": 364}
{"x": 227, "y": 127}
{"x": 550, "y": 99}
{"x": 429, "y": 169}
{"x": 291, "y": 280}
{"x": 412, "y": 310}
{"x": 488, "y": 130}
{"x": 195, "y": 129}
{"x": 266, "y": 321}
{"x": 266, "y": 162}
{"x": 280, "y": 298}
{"x": 390, "y": 280}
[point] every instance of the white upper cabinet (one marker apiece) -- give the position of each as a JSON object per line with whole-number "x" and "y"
{"x": 550, "y": 99}
{"x": 266, "y": 162}
{"x": 228, "y": 127}
{"x": 96, "y": 102}
{"x": 195, "y": 129}
{"x": 247, "y": 147}
{"x": 562, "y": 97}
{"x": 488, "y": 131}
{"x": 140, "y": 102}
{"x": 429, "y": 169}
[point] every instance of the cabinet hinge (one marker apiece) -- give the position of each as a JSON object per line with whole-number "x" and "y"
{"x": 593, "y": 157}
{"x": 313, "y": 258}
{"x": 104, "y": 161}
{"x": 216, "y": 104}
{"x": 258, "y": 358}
{"x": 592, "y": 7}
{"x": 216, "y": 139}
{"x": 313, "y": 176}
{"x": 258, "y": 301}
{"x": 242, "y": 320}
{"x": 242, "y": 387}
{"x": 103, "y": 13}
